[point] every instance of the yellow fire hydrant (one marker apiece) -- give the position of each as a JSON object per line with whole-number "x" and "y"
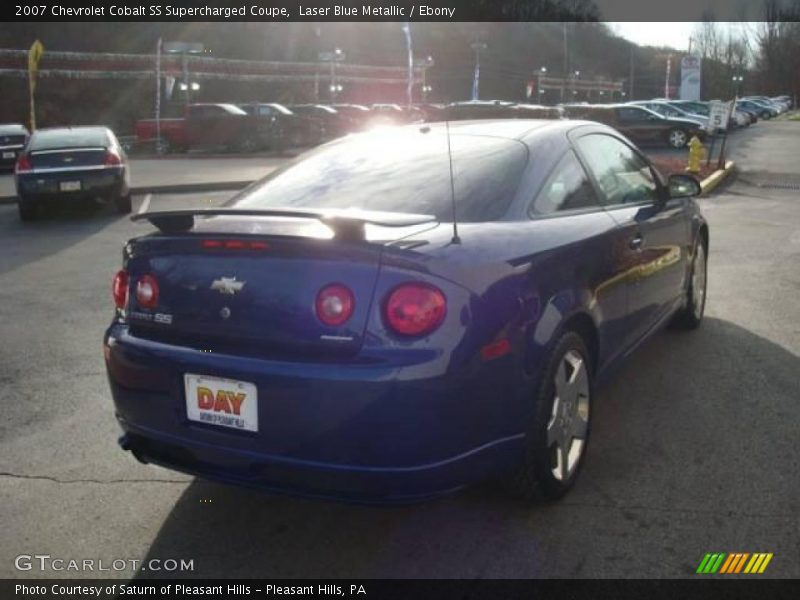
{"x": 697, "y": 153}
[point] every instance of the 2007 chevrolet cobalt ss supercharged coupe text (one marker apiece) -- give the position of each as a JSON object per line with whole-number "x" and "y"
{"x": 329, "y": 332}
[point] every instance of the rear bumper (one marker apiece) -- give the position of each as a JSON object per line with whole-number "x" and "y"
{"x": 362, "y": 433}
{"x": 346, "y": 483}
{"x": 105, "y": 183}
{"x": 8, "y": 156}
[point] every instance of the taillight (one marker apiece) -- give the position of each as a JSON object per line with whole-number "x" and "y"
{"x": 112, "y": 159}
{"x": 119, "y": 289}
{"x": 415, "y": 309}
{"x": 23, "y": 164}
{"x": 335, "y": 304}
{"x": 147, "y": 292}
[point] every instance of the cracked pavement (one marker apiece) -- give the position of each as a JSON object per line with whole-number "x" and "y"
{"x": 694, "y": 445}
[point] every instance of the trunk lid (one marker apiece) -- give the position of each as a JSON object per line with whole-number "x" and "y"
{"x": 250, "y": 294}
{"x": 68, "y": 158}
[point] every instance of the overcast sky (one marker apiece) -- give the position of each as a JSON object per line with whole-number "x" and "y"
{"x": 674, "y": 35}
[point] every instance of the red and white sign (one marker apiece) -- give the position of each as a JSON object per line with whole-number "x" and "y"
{"x": 223, "y": 402}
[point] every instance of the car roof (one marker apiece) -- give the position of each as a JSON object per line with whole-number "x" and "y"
{"x": 512, "y": 129}
{"x": 78, "y": 128}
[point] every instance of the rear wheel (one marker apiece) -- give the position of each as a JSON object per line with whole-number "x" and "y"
{"x": 247, "y": 144}
{"x": 28, "y": 210}
{"x": 677, "y": 138}
{"x": 559, "y": 431}
{"x": 691, "y": 315}
{"x": 123, "y": 204}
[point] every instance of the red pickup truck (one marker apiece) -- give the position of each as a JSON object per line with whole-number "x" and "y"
{"x": 207, "y": 126}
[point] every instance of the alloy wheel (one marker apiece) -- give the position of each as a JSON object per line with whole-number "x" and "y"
{"x": 677, "y": 138}
{"x": 699, "y": 281}
{"x": 568, "y": 426}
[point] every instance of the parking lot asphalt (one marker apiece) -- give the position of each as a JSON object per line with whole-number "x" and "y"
{"x": 694, "y": 444}
{"x": 153, "y": 173}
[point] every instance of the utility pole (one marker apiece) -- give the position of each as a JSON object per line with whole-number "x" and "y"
{"x": 666, "y": 78}
{"x": 566, "y": 59}
{"x": 630, "y": 76}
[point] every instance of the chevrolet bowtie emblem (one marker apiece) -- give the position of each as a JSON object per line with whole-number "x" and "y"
{"x": 227, "y": 285}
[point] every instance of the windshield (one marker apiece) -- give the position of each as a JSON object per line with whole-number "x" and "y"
{"x": 46, "y": 139}
{"x": 400, "y": 171}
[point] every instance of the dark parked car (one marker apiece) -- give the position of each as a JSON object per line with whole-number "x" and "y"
{"x": 394, "y": 114}
{"x": 759, "y": 108}
{"x": 65, "y": 165}
{"x": 226, "y": 126}
{"x": 357, "y": 115}
{"x": 498, "y": 109}
{"x": 639, "y": 124}
{"x": 477, "y": 109}
{"x": 332, "y": 123}
{"x": 329, "y": 332}
{"x": 13, "y": 138}
{"x": 287, "y": 128}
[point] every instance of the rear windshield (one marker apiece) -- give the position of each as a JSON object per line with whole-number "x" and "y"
{"x": 13, "y": 130}
{"x": 400, "y": 171}
{"x": 46, "y": 139}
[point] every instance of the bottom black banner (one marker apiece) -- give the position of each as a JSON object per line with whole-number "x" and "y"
{"x": 255, "y": 589}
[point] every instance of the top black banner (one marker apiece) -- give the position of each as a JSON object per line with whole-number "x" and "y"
{"x": 401, "y": 10}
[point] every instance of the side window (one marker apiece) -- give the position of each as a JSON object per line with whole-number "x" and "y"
{"x": 630, "y": 113}
{"x": 567, "y": 188}
{"x": 201, "y": 112}
{"x": 623, "y": 176}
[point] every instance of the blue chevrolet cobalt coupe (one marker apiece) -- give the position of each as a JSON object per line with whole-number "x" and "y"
{"x": 403, "y": 312}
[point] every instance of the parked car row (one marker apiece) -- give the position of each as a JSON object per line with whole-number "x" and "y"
{"x": 89, "y": 162}
{"x": 256, "y": 126}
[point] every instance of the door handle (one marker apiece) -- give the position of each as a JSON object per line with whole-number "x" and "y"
{"x": 637, "y": 242}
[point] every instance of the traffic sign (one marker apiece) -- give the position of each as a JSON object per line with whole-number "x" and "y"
{"x": 718, "y": 116}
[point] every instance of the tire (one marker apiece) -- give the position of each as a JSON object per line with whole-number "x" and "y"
{"x": 247, "y": 144}
{"x": 691, "y": 315}
{"x": 540, "y": 475}
{"x": 123, "y": 204}
{"x": 677, "y": 138}
{"x": 28, "y": 210}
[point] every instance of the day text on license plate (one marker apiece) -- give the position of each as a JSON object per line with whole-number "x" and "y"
{"x": 69, "y": 186}
{"x": 9, "y": 155}
{"x": 222, "y": 402}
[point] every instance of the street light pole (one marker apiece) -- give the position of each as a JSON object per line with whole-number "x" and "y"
{"x": 539, "y": 91}
{"x": 332, "y": 58}
{"x": 424, "y": 65}
{"x": 477, "y": 47}
{"x": 737, "y": 85}
{"x": 574, "y": 78}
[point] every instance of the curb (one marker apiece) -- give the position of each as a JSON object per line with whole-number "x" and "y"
{"x": 712, "y": 181}
{"x": 187, "y": 188}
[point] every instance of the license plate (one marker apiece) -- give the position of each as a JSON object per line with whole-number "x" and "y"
{"x": 224, "y": 402}
{"x": 69, "y": 186}
{"x": 9, "y": 155}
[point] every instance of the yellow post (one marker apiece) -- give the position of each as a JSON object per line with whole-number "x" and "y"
{"x": 34, "y": 56}
{"x": 696, "y": 153}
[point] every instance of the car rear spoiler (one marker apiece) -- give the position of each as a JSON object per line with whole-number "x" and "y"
{"x": 347, "y": 224}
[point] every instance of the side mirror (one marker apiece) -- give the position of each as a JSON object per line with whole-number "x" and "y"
{"x": 682, "y": 186}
